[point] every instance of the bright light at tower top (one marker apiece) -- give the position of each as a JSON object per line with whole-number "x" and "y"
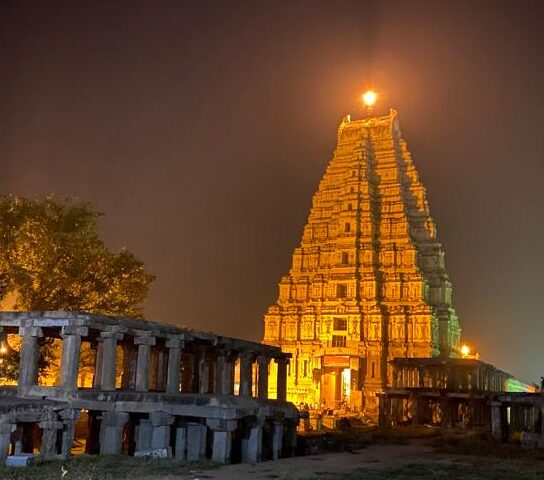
{"x": 465, "y": 350}
{"x": 369, "y": 98}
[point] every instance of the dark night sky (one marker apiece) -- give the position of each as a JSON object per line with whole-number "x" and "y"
{"x": 203, "y": 128}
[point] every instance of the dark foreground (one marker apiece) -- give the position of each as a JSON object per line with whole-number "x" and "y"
{"x": 401, "y": 455}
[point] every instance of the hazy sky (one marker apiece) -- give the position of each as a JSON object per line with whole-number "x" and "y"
{"x": 202, "y": 130}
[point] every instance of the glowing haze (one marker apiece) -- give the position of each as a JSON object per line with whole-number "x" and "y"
{"x": 202, "y": 128}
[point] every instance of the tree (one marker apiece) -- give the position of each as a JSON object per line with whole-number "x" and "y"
{"x": 52, "y": 256}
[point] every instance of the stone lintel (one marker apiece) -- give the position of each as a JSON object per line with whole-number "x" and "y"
{"x": 109, "y": 334}
{"x": 70, "y": 414}
{"x": 145, "y": 340}
{"x": 75, "y": 330}
{"x": 114, "y": 419}
{"x": 222, "y": 425}
{"x": 282, "y": 360}
{"x": 175, "y": 342}
{"x": 161, "y": 419}
{"x": 248, "y": 355}
{"x": 263, "y": 360}
{"x": 31, "y": 331}
{"x": 7, "y": 428}
{"x": 50, "y": 425}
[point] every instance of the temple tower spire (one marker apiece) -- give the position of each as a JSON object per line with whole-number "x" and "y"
{"x": 368, "y": 281}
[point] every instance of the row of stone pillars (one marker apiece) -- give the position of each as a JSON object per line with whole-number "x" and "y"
{"x": 154, "y": 434}
{"x": 170, "y": 368}
{"x": 50, "y": 424}
{"x": 444, "y": 411}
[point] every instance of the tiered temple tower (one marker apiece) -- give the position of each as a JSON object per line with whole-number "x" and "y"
{"x": 368, "y": 281}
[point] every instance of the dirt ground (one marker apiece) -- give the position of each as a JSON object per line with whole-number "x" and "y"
{"x": 411, "y": 461}
{"x": 320, "y": 466}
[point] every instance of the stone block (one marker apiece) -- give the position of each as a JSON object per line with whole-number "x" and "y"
{"x": 21, "y": 460}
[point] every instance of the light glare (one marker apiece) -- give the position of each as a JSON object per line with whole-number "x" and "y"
{"x": 369, "y": 98}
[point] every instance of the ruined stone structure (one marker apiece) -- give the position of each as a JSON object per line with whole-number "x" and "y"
{"x": 175, "y": 395}
{"x": 462, "y": 392}
{"x": 442, "y": 391}
{"x": 368, "y": 281}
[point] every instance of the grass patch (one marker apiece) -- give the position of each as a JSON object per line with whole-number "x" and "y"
{"x": 506, "y": 470}
{"x": 102, "y": 467}
{"x": 483, "y": 446}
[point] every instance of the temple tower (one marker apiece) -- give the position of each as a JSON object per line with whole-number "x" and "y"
{"x": 368, "y": 281}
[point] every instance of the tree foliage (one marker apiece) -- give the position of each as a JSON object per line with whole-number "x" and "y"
{"x": 52, "y": 256}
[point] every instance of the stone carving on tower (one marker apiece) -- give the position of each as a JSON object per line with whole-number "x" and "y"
{"x": 368, "y": 281}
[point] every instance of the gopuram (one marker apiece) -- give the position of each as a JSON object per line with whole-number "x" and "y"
{"x": 368, "y": 282}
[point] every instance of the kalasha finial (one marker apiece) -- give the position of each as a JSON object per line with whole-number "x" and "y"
{"x": 369, "y": 99}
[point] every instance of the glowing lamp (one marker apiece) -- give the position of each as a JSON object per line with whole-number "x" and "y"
{"x": 3, "y": 348}
{"x": 369, "y": 98}
{"x": 465, "y": 350}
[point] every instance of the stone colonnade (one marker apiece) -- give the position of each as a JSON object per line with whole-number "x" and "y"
{"x": 174, "y": 396}
{"x": 209, "y": 367}
{"x": 428, "y": 407}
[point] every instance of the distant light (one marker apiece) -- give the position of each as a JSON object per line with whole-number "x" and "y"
{"x": 3, "y": 348}
{"x": 465, "y": 350}
{"x": 369, "y": 98}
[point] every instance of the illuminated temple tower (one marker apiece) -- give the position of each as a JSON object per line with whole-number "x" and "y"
{"x": 368, "y": 281}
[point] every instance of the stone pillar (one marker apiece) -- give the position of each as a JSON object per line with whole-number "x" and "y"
{"x": 222, "y": 438}
{"x": 541, "y": 441}
{"x": 225, "y": 373}
{"x": 291, "y": 439}
{"x": 196, "y": 442}
{"x": 282, "y": 378}
{"x": 160, "y": 435}
{"x": 252, "y": 445}
{"x": 111, "y": 432}
{"x": 262, "y": 385}
{"x": 71, "y": 346}
{"x": 382, "y": 413}
{"x": 144, "y": 343}
{"x": 246, "y": 374}
{"x": 109, "y": 359}
{"x": 130, "y": 361}
{"x": 203, "y": 372}
{"x": 69, "y": 418}
{"x": 162, "y": 365}
{"x": 180, "y": 452}
{"x": 416, "y": 404}
{"x": 99, "y": 361}
{"x": 50, "y": 426}
{"x": 445, "y": 413}
{"x": 143, "y": 435}
{"x": 175, "y": 348}
{"x": 496, "y": 420}
{"x": 6, "y": 430}
{"x": 28, "y": 363}
{"x": 221, "y": 374}
{"x": 277, "y": 440}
